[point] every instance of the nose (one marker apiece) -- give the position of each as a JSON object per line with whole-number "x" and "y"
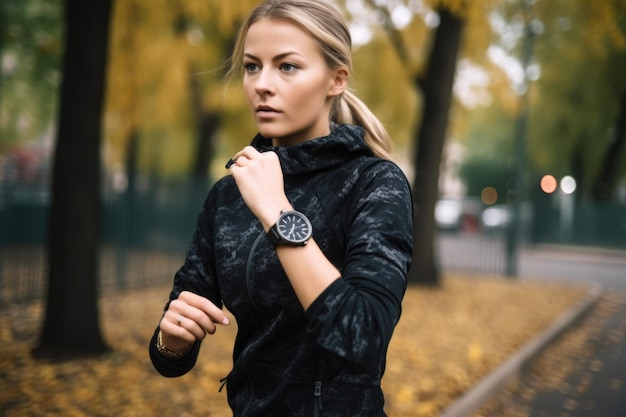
{"x": 263, "y": 83}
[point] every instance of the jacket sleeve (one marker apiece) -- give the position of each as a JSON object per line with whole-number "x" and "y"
{"x": 172, "y": 367}
{"x": 198, "y": 276}
{"x": 356, "y": 315}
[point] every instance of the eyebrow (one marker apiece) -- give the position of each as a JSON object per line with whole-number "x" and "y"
{"x": 276, "y": 58}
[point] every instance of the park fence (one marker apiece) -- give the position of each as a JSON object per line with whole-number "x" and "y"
{"x": 145, "y": 234}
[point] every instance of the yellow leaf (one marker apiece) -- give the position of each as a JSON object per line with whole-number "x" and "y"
{"x": 474, "y": 353}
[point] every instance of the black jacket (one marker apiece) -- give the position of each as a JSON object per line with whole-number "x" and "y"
{"x": 327, "y": 360}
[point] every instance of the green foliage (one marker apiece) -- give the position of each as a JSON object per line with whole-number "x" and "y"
{"x": 575, "y": 103}
{"x": 30, "y": 48}
{"x": 580, "y": 49}
{"x": 488, "y": 159}
{"x": 479, "y": 174}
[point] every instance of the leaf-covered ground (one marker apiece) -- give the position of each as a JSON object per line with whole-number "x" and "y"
{"x": 448, "y": 338}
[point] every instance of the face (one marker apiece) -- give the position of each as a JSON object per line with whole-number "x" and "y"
{"x": 287, "y": 83}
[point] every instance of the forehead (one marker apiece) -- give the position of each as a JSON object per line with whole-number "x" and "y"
{"x": 278, "y": 36}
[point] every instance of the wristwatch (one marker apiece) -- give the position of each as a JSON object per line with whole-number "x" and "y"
{"x": 291, "y": 229}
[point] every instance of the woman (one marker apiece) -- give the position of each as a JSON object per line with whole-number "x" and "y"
{"x": 307, "y": 242}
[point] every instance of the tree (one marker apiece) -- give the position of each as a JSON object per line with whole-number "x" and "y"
{"x": 435, "y": 84}
{"x": 609, "y": 172}
{"x": 613, "y": 160}
{"x": 176, "y": 111}
{"x": 30, "y": 47}
{"x": 576, "y": 94}
{"x": 577, "y": 104}
{"x": 71, "y": 326}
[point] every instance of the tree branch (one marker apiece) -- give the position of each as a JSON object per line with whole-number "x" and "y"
{"x": 394, "y": 35}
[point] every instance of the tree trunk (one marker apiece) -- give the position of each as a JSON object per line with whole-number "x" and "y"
{"x": 606, "y": 181}
{"x": 71, "y": 325}
{"x": 436, "y": 86}
{"x": 206, "y": 123}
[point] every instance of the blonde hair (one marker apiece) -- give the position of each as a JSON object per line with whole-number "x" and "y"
{"x": 326, "y": 25}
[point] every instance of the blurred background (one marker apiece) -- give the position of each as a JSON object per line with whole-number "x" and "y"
{"x": 523, "y": 141}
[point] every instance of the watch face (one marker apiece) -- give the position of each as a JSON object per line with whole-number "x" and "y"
{"x": 294, "y": 227}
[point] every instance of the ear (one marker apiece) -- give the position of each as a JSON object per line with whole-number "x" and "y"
{"x": 339, "y": 82}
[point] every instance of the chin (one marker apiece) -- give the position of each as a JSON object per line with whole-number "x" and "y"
{"x": 270, "y": 133}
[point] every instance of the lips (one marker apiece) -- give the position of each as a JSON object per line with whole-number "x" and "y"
{"x": 266, "y": 109}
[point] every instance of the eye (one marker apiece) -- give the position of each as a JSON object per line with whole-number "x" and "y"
{"x": 250, "y": 67}
{"x": 287, "y": 67}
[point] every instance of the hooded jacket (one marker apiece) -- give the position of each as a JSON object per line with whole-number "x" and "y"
{"x": 329, "y": 359}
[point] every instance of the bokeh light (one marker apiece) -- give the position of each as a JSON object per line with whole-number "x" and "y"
{"x": 568, "y": 185}
{"x": 548, "y": 184}
{"x": 489, "y": 195}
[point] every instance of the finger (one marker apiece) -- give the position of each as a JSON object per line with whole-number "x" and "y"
{"x": 248, "y": 153}
{"x": 200, "y": 324}
{"x": 237, "y": 161}
{"x": 211, "y": 310}
{"x": 179, "y": 333}
{"x": 178, "y": 322}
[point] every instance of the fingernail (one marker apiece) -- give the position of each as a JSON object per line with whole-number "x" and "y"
{"x": 225, "y": 321}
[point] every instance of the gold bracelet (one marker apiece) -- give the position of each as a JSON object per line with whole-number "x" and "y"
{"x": 163, "y": 350}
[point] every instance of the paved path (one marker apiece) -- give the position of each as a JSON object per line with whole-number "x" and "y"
{"x": 581, "y": 374}
{"x": 575, "y": 264}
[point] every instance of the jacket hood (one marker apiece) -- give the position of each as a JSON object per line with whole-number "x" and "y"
{"x": 343, "y": 144}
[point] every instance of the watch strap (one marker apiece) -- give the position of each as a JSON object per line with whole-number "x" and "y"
{"x": 273, "y": 236}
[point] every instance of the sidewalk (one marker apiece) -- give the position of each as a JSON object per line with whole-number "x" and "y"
{"x": 576, "y": 368}
{"x": 596, "y": 387}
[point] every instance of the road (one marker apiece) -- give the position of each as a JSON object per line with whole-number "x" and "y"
{"x": 606, "y": 267}
{"x": 475, "y": 253}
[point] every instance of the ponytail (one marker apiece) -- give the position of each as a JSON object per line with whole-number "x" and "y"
{"x": 348, "y": 108}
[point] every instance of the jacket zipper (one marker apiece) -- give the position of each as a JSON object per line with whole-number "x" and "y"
{"x": 317, "y": 402}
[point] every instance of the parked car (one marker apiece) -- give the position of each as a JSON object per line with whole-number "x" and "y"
{"x": 496, "y": 217}
{"x": 449, "y": 214}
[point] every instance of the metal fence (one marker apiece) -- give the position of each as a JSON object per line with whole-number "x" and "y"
{"x": 145, "y": 234}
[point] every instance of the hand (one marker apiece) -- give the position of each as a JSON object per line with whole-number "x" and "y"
{"x": 259, "y": 178}
{"x": 189, "y": 318}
